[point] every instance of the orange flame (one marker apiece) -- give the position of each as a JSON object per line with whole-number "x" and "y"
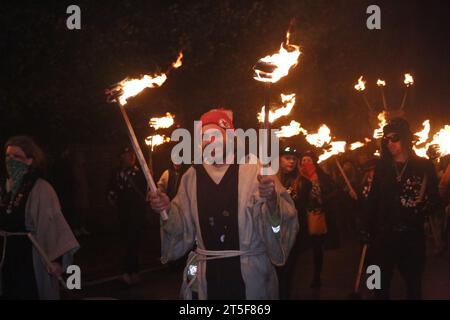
{"x": 336, "y": 148}
{"x": 288, "y": 100}
{"x": 409, "y": 80}
{"x": 321, "y": 137}
{"x": 356, "y": 145}
{"x": 281, "y": 62}
{"x": 178, "y": 63}
{"x": 132, "y": 87}
{"x": 156, "y": 140}
{"x": 441, "y": 140}
{"x": 378, "y": 133}
{"x": 293, "y": 129}
{"x": 163, "y": 122}
{"x": 361, "y": 85}
{"x": 381, "y": 83}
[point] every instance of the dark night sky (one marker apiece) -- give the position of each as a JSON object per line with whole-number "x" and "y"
{"x": 54, "y": 79}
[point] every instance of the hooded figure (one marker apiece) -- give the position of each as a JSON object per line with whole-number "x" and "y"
{"x": 403, "y": 192}
{"x": 242, "y": 224}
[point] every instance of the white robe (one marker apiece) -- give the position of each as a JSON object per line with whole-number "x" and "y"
{"x": 256, "y": 233}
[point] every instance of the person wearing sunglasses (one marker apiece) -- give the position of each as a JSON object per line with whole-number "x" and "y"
{"x": 404, "y": 191}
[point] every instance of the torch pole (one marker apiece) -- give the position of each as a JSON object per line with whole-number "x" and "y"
{"x": 44, "y": 257}
{"x": 344, "y": 175}
{"x": 404, "y": 99}
{"x": 150, "y": 154}
{"x": 267, "y": 119}
{"x": 367, "y": 102}
{"x": 383, "y": 97}
{"x": 140, "y": 156}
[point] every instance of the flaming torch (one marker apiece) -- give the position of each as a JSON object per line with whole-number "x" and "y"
{"x": 381, "y": 84}
{"x": 293, "y": 129}
{"x": 155, "y": 140}
{"x": 409, "y": 81}
{"x": 128, "y": 88}
{"x": 271, "y": 69}
{"x": 360, "y": 87}
{"x": 288, "y": 100}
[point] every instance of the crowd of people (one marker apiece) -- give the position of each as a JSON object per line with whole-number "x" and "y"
{"x": 237, "y": 234}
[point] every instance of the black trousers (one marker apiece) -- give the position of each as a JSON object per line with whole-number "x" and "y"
{"x": 404, "y": 250}
{"x": 131, "y": 223}
{"x": 286, "y": 273}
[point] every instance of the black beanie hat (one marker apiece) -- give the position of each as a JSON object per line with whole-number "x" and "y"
{"x": 400, "y": 126}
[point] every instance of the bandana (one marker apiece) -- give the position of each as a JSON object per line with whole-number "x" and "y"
{"x": 16, "y": 171}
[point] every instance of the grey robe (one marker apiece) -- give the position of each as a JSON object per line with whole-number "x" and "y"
{"x": 256, "y": 233}
{"x": 43, "y": 218}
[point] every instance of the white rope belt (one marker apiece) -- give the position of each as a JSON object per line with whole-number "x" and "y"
{"x": 205, "y": 255}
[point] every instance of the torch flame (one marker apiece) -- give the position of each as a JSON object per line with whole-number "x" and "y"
{"x": 156, "y": 140}
{"x": 442, "y": 140}
{"x": 409, "y": 80}
{"x": 356, "y": 145}
{"x": 163, "y": 122}
{"x": 293, "y": 129}
{"x": 321, "y": 137}
{"x": 281, "y": 62}
{"x": 288, "y": 100}
{"x": 131, "y": 87}
{"x": 336, "y": 148}
{"x": 423, "y": 135}
{"x": 381, "y": 83}
{"x": 178, "y": 63}
{"x": 361, "y": 85}
{"x": 378, "y": 133}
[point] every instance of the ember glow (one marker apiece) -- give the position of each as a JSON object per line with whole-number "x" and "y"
{"x": 288, "y": 101}
{"x": 361, "y": 85}
{"x": 378, "y": 133}
{"x": 278, "y": 64}
{"x": 381, "y": 83}
{"x": 156, "y": 140}
{"x": 163, "y": 122}
{"x": 293, "y": 129}
{"x": 409, "y": 80}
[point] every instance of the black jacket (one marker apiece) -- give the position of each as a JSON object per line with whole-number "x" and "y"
{"x": 391, "y": 204}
